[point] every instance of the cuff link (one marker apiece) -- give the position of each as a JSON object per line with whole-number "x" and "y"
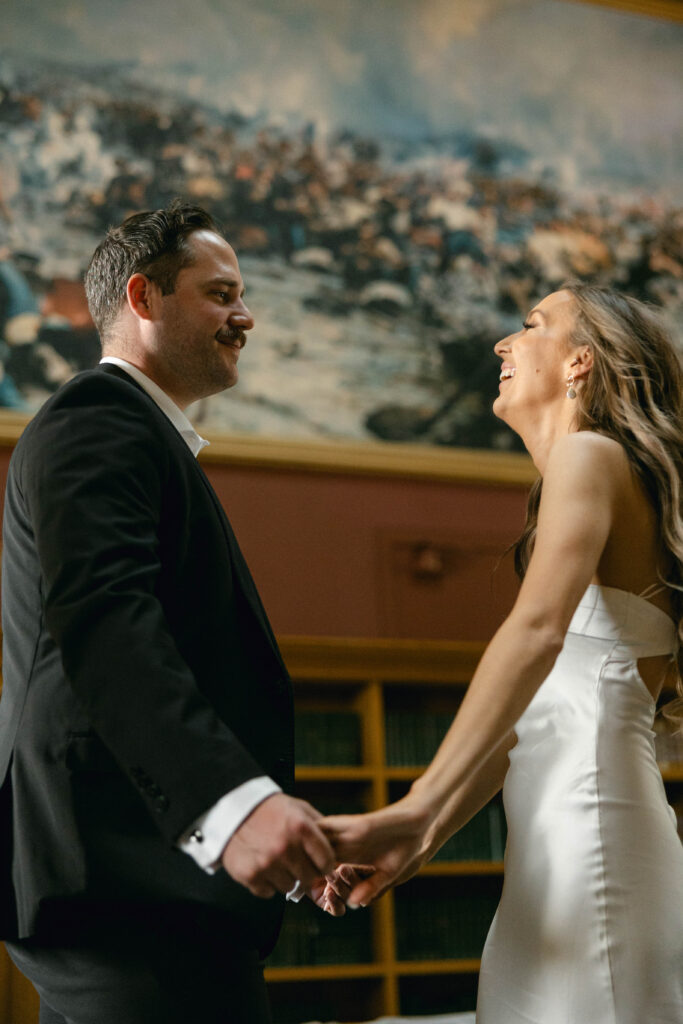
{"x": 197, "y": 836}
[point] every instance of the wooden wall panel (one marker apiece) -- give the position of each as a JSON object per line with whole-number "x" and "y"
{"x": 316, "y": 543}
{"x": 18, "y": 998}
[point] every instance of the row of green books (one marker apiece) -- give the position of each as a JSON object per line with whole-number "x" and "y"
{"x": 482, "y": 838}
{"x": 328, "y": 737}
{"x": 311, "y": 937}
{"x": 429, "y": 927}
{"x": 413, "y": 737}
{"x": 335, "y": 737}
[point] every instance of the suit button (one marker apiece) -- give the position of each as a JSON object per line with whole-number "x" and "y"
{"x": 140, "y": 777}
{"x": 161, "y": 804}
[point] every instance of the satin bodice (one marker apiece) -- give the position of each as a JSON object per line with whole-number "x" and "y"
{"x": 625, "y": 619}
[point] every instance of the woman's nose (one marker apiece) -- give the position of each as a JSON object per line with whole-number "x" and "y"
{"x": 502, "y": 346}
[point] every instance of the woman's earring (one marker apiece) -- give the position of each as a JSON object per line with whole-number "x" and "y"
{"x": 571, "y": 390}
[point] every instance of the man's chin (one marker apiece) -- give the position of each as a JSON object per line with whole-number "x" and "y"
{"x": 217, "y": 385}
{"x": 225, "y": 384}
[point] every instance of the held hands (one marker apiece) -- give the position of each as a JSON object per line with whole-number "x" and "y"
{"x": 278, "y": 844}
{"x": 343, "y": 860}
{"x": 392, "y": 840}
{"x": 332, "y": 892}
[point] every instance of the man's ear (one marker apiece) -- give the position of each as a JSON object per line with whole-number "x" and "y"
{"x": 142, "y": 296}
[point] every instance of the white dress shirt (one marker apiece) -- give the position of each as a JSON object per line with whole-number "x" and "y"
{"x": 206, "y": 837}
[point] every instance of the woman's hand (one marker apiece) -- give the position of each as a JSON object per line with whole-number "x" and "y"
{"x": 392, "y": 840}
{"x": 331, "y": 892}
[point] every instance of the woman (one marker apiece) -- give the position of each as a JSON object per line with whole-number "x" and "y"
{"x": 590, "y": 925}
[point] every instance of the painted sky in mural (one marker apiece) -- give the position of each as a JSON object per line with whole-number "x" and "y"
{"x": 573, "y": 83}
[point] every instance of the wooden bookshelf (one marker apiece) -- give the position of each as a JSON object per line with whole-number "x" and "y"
{"x": 373, "y": 679}
{"x": 378, "y": 679}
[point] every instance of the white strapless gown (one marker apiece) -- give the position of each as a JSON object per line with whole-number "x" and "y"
{"x": 589, "y": 929}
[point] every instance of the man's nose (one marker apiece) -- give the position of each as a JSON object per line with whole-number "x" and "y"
{"x": 240, "y": 316}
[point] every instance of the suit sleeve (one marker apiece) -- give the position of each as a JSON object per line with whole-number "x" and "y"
{"x": 93, "y": 480}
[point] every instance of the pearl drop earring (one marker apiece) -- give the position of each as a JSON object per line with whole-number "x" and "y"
{"x": 571, "y": 390}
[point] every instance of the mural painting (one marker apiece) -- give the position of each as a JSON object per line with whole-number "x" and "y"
{"x": 401, "y": 181}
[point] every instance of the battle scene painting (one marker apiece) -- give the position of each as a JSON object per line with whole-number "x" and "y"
{"x": 401, "y": 180}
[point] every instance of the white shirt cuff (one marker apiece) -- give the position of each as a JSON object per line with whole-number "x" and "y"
{"x": 207, "y": 837}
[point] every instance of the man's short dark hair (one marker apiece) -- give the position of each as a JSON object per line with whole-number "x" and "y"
{"x": 153, "y": 243}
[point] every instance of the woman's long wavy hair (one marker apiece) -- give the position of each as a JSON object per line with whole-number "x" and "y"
{"x": 634, "y": 394}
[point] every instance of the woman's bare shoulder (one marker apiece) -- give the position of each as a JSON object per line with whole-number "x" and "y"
{"x": 589, "y": 449}
{"x": 587, "y": 468}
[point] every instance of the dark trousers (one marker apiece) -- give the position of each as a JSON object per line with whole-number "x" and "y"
{"x": 156, "y": 967}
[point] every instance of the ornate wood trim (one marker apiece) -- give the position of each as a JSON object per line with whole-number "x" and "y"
{"x": 375, "y": 459}
{"x": 672, "y": 10}
{"x": 360, "y": 458}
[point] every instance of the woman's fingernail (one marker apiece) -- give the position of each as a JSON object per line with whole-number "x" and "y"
{"x": 353, "y": 906}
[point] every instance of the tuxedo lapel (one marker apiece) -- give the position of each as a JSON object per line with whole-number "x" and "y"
{"x": 237, "y": 558}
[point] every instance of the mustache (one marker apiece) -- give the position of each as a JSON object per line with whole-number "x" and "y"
{"x": 232, "y": 335}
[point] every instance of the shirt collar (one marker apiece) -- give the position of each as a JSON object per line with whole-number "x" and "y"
{"x": 173, "y": 412}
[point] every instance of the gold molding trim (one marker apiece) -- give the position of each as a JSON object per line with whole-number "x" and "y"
{"x": 670, "y": 10}
{"x": 410, "y": 461}
{"x": 362, "y": 458}
{"x": 358, "y": 658}
{"x": 12, "y": 425}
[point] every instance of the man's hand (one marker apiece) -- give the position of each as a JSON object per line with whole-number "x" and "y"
{"x": 279, "y": 843}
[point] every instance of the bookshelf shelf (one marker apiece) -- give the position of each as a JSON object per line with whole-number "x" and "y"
{"x": 382, "y": 706}
{"x": 403, "y": 773}
{"x": 324, "y": 972}
{"x": 432, "y": 967}
{"x": 444, "y": 868}
{"x": 333, "y": 773}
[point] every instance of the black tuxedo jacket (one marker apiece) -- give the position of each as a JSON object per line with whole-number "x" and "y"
{"x": 142, "y": 680}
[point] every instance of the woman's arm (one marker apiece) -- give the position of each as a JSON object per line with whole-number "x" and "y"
{"x": 582, "y": 483}
{"x": 331, "y": 893}
{"x": 462, "y": 805}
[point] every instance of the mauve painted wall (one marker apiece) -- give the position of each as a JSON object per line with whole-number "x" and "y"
{"x": 320, "y": 549}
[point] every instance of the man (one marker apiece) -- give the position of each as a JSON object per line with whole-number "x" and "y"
{"x": 146, "y": 719}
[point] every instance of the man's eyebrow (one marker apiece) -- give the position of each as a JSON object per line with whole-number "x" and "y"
{"x": 226, "y": 282}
